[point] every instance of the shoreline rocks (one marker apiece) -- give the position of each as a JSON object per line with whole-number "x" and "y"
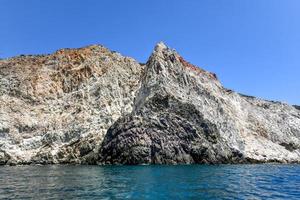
{"x": 95, "y": 106}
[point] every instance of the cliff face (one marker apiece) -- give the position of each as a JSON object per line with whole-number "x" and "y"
{"x": 57, "y": 108}
{"x": 93, "y": 106}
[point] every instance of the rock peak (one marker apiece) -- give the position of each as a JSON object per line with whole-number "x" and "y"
{"x": 160, "y": 46}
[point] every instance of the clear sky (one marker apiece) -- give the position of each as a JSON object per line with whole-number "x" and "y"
{"x": 252, "y": 45}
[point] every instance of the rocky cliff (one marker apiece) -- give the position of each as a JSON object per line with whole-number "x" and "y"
{"x": 57, "y": 108}
{"x": 94, "y": 106}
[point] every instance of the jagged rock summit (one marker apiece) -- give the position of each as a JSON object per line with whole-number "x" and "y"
{"x": 95, "y": 106}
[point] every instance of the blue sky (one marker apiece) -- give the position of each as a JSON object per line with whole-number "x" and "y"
{"x": 252, "y": 45}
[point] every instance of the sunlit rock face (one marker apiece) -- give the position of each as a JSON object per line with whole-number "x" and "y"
{"x": 57, "y": 108}
{"x": 94, "y": 106}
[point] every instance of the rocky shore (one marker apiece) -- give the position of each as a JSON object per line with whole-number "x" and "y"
{"x": 95, "y": 106}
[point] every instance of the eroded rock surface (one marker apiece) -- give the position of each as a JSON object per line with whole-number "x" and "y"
{"x": 182, "y": 114}
{"x": 94, "y": 106}
{"x": 57, "y": 108}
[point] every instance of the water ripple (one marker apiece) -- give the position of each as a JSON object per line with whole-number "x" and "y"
{"x": 151, "y": 182}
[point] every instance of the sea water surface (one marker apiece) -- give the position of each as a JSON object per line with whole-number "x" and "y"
{"x": 151, "y": 182}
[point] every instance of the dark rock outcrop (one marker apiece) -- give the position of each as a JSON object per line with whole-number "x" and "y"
{"x": 165, "y": 131}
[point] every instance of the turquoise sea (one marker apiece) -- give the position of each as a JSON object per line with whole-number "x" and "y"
{"x": 266, "y": 181}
